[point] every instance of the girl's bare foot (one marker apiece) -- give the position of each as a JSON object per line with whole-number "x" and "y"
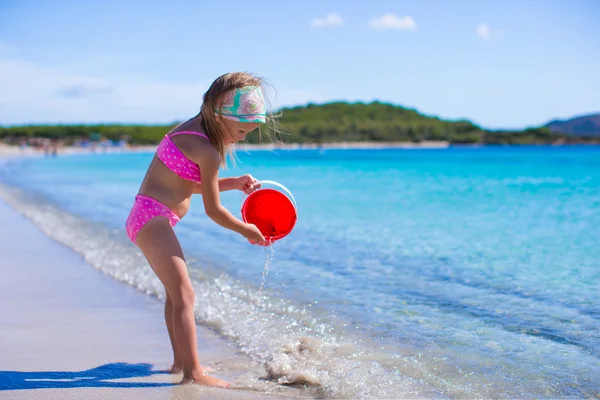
{"x": 205, "y": 380}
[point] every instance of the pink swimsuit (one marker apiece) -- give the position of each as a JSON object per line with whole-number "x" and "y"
{"x": 145, "y": 208}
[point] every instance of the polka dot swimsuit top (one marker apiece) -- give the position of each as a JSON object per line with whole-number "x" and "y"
{"x": 175, "y": 160}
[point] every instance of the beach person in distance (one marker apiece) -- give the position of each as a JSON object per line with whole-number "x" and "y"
{"x": 187, "y": 162}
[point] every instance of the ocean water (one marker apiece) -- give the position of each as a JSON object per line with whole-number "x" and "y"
{"x": 447, "y": 273}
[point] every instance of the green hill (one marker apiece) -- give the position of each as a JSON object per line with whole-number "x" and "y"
{"x": 349, "y": 122}
{"x": 325, "y": 123}
{"x": 382, "y": 122}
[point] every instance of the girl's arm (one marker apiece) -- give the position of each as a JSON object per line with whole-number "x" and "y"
{"x": 246, "y": 183}
{"x": 225, "y": 184}
{"x": 209, "y": 165}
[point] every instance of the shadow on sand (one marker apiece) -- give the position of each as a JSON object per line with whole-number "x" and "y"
{"x": 96, "y": 377}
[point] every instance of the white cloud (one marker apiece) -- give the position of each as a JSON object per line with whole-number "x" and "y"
{"x": 84, "y": 87}
{"x": 37, "y": 94}
{"x": 392, "y": 21}
{"x": 485, "y": 32}
{"x": 33, "y": 93}
{"x": 329, "y": 21}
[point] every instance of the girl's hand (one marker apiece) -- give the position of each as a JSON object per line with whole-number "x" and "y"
{"x": 247, "y": 184}
{"x": 254, "y": 236}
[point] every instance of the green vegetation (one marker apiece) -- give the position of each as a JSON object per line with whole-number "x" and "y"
{"x": 325, "y": 123}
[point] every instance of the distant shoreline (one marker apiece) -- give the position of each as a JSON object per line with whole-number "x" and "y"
{"x": 348, "y": 145}
{"x": 16, "y": 151}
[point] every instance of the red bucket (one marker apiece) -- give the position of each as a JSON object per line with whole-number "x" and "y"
{"x": 273, "y": 213}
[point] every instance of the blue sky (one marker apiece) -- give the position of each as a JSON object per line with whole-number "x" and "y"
{"x": 501, "y": 64}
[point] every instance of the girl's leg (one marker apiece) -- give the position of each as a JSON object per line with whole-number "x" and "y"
{"x": 160, "y": 245}
{"x": 177, "y": 366}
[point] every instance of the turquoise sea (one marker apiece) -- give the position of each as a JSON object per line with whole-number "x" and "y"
{"x": 422, "y": 273}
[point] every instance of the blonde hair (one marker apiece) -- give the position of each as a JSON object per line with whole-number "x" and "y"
{"x": 213, "y": 100}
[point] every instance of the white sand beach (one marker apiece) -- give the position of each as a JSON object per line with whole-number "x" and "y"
{"x": 69, "y": 332}
{"x": 347, "y": 146}
{"x": 12, "y": 151}
{"x": 16, "y": 151}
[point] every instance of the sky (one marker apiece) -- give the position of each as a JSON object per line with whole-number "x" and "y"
{"x": 506, "y": 64}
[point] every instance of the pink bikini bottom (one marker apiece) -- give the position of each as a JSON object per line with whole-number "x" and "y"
{"x": 144, "y": 209}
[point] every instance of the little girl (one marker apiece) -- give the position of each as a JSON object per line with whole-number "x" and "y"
{"x": 187, "y": 161}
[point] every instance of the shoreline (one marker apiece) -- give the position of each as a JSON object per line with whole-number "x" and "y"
{"x": 347, "y": 145}
{"x": 7, "y": 151}
{"x": 70, "y": 331}
{"x": 15, "y": 151}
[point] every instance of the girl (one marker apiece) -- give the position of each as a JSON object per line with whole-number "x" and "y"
{"x": 232, "y": 107}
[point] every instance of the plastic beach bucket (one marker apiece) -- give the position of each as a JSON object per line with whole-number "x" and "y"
{"x": 273, "y": 212}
